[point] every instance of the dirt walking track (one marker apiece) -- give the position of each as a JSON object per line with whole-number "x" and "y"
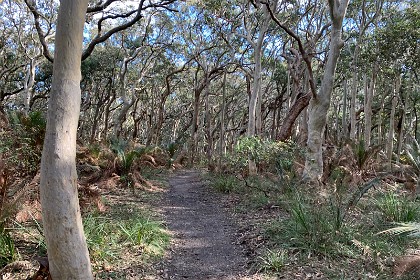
{"x": 204, "y": 244}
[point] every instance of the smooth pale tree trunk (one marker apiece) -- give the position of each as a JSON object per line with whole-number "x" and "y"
{"x": 353, "y": 93}
{"x": 208, "y": 130}
{"x": 401, "y": 129}
{"x": 29, "y": 83}
{"x": 126, "y": 104}
{"x": 66, "y": 245}
{"x": 254, "y": 108}
{"x": 344, "y": 133}
{"x": 318, "y": 107}
{"x": 390, "y": 140}
{"x": 380, "y": 122}
{"x": 195, "y": 126}
{"x": 368, "y": 106}
{"x": 391, "y": 132}
{"x": 366, "y": 20}
{"x": 222, "y": 123}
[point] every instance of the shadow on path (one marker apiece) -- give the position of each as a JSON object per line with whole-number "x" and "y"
{"x": 203, "y": 244}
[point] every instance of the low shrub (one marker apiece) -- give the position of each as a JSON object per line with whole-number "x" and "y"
{"x": 270, "y": 156}
{"x": 225, "y": 183}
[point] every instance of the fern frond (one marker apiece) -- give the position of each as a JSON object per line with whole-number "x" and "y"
{"x": 411, "y": 229}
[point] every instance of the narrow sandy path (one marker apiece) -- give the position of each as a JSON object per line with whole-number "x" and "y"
{"x": 203, "y": 244}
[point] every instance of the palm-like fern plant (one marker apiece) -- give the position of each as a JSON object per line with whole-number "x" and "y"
{"x": 410, "y": 229}
{"x": 413, "y": 154}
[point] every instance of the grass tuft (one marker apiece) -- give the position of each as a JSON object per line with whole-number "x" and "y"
{"x": 398, "y": 209}
{"x": 273, "y": 261}
{"x": 8, "y": 251}
{"x": 107, "y": 238}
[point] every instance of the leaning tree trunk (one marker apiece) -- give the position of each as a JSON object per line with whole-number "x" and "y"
{"x": 66, "y": 245}
{"x": 318, "y": 106}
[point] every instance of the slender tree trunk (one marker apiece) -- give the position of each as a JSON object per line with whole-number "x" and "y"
{"x": 126, "y": 104}
{"x": 353, "y": 94}
{"x": 390, "y": 140}
{"x": 194, "y": 127}
{"x": 222, "y": 123}
{"x": 401, "y": 128}
{"x": 344, "y": 133}
{"x": 29, "y": 84}
{"x": 107, "y": 113}
{"x": 209, "y": 146}
{"x": 66, "y": 245}
{"x": 380, "y": 121}
{"x": 318, "y": 106}
{"x": 368, "y": 106}
{"x": 253, "y": 112}
{"x": 299, "y": 105}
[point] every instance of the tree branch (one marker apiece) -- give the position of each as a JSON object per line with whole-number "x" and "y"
{"x": 306, "y": 58}
{"x": 31, "y": 6}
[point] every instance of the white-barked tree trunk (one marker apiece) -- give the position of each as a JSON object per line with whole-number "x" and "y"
{"x": 66, "y": 245}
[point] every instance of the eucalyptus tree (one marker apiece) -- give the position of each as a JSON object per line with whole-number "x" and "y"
{"x": 207, "y": 55}
{"x": 255, "y": 24}
{"x": 398, "y": 54}
{"x": 99, "y": 78}
{"x": 13, "y": 63}
{"x": 28, "y": 48}
{"x": 363, "y": 15}
{"x": 319, "y": 104}
{"x": 142, "y": 65}
{"x": 66, "y": 245}
{"x": 309, "y": 20}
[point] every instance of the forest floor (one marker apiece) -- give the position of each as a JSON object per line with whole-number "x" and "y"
{"x": 182, "y": 227}
{"x": 204, "y": 235}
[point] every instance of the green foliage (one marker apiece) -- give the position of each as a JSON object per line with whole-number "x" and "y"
{"x": 127, "y": 157}
{"x": 171, "y": 148}
{"x": 413, "y": 156}
{"x": 95, "y": 149}
{"x": 410, "y": 229}
{"x": 8, "y": 252}
{"x": 107, "y": 237}
{"x": 311, "y": 227}
{"x": 35, "y": 125}
{"x": 364, "y": 155}
{"x": 225, "y": 183}
{"x": 318, "y": 226}
{"x": 271, "y": 155}
{"x": 21, "y": 147}
{"x": 147, "y": 234}
{"x": 273, "y": 261}
{"x": 398, "y": 209}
